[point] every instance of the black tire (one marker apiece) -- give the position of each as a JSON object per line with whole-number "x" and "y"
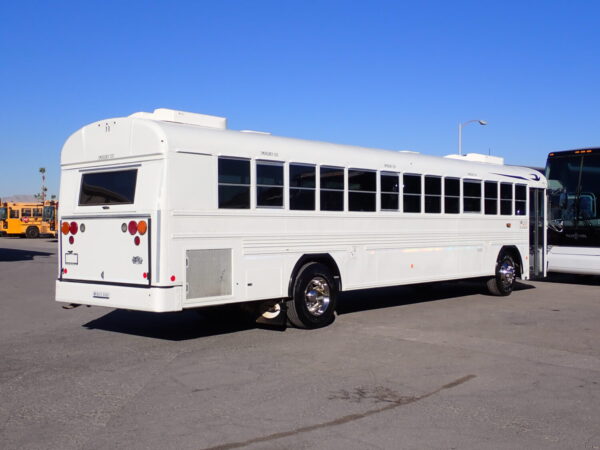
{"x": 503, "y": 282}
{"x": 32, "y": 233}
{"x": 314, "y": 297}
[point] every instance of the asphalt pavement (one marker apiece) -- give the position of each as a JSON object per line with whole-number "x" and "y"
{"x": 438, "y": 366}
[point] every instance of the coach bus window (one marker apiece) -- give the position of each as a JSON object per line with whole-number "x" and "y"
{"x": 332, "y": 189}
{"x": 520, "y": 199}
{"x": 361, "y": 190}
{"x": 269, "y": 184}
{"x": 37, "y": 212}
{"x": 26, "y": 212}
{"x": 234, "y": 183}
{"x": 412, "y": 193}
{"x": 302, "y": 187}
{"x": 14, "y": 213}
{"x": 433, "y": 194}
{"x": 102, "y": 188}
{"x": 506, "y": 199}
{"x": 491, "y": 197}
{"x": 389, "y": 191}
{"x": 451, "y": 195}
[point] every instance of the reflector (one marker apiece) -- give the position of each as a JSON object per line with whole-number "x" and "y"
{"x": 136, "y": 241}
{"x": 71, "y": 239}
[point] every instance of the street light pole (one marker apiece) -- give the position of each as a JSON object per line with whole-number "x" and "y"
{"x": 460, "y": 127}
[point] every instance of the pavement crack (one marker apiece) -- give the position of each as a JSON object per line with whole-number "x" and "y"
{"x": 392, "y": 404}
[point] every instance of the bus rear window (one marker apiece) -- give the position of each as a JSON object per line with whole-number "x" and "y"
{"x": 103, "y": 188}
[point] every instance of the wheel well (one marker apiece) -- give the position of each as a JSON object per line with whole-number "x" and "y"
{"x": 323, "y": 258}
{"x": 515, "y": 254}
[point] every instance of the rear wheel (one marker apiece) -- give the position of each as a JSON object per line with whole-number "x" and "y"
{"x": 32, "y": 233}
{"x": 503, "y": 282}
{"x": 314, "y": 297}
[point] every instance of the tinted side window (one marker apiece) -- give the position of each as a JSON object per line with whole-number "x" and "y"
{"x": 302, "y": 187}
{"x": 506, "y": 199}
{"x": 361, "y": 190}
{"x": 433, "y": 194}
{"x": 234, "y": 183}
{"x": 389, "y": 190}
{"x": 491, "y": 197}
{"x": 471, "y": 196}
{"x": 269, "y": 184}
{"x": 412, "y": 193}
{"x": 332, "y": 188}
{"x": 26, "y": 212}
{"x": 451, "y": 195}
{"x": 520, "y": 199}
{"x": 14, "y": 214}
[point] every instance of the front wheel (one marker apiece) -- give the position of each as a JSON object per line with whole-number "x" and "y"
{"x": 314, "y": 297}
{"x": 503, "y": 282}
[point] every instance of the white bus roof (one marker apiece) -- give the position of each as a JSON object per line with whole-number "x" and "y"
{"x": 165, "y": 131}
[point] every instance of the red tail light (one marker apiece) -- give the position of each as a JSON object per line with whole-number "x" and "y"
{"x": 71, "y": 239}
{"x": 136, "y": 241}
{"x": 132, "y": 227}
{"x": 73, "y": 228}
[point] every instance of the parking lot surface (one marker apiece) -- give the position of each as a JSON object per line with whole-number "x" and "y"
{"x": 440, "y": 366}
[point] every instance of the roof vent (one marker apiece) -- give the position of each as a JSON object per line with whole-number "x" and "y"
{"x": 478, "y": 157}
{"x": 172, "y": 115}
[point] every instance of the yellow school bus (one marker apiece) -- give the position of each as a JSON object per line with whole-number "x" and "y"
{"x": 30, "y": 220}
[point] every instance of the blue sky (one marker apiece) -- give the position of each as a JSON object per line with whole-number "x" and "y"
{"x": 397, "y": 75}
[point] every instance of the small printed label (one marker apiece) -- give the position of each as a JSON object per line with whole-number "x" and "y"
{"x": 101, "y": 294}
{"x": 72, "y": 258}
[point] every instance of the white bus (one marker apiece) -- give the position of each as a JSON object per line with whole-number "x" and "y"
{"x": 574, "y": 225}
{"x": 170, "y": 210}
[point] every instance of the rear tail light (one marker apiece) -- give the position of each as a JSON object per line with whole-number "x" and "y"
{"x": 132, "y": 227}
{"x": 65, "y": 228}
{"x": 73, "y": 228}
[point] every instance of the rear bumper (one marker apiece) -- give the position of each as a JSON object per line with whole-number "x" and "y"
{"x": 154, "y": 299}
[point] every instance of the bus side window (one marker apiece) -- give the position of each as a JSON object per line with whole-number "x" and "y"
{"x": 520, "y": 199}
{"x": 37, "y": 212}
{"x": 302, "y": 187}
{"x": 332, "y": 189}
{"x": 389, "y": 191}
{"x": 433, "y": 194}
{"x": 506, "y": 199}
{"x": 14, "y": 214}
{"x": 412, "y": 193}
{"x": 269, "y": 183}
{"x": 471, "y": 196}
{"x": 491, "y": 197}
{"x": 26, "y": 212}
{"x": 451, "y": 195}
{"x": 362, "y": 190}
{"x": 234, "y": 183}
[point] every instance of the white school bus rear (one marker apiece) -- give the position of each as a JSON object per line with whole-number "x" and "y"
{"x": 111, "y": 198}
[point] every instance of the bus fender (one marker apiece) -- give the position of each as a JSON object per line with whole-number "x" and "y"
{"x": 513, "y": 252}
{"x": 323, "y": 258}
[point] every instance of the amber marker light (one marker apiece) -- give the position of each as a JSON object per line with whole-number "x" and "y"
{"x": 65, "y": 228}
{"x": 142, "y": 227}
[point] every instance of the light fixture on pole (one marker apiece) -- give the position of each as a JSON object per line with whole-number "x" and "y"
{"x": 460, "y": 127}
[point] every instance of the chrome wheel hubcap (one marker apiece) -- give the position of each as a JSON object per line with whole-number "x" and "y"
{"x": 507, "y": 273}
{"x": 317, "y": 296}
